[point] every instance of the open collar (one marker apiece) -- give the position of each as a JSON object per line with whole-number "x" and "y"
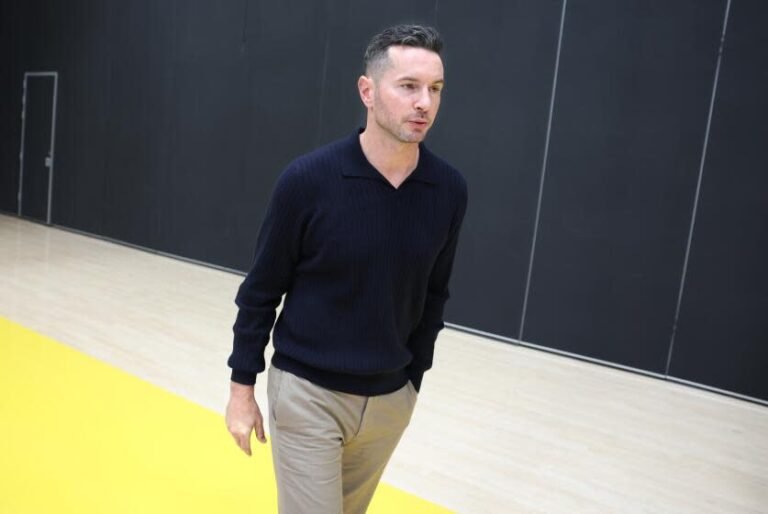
{"x": 357, "y": 165}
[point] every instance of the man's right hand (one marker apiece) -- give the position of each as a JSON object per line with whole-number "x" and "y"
{"x": 244, "y": 416}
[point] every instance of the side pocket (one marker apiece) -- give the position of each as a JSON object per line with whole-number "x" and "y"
{"x": 274, "y": 379}
{"x": 414, "y": 396}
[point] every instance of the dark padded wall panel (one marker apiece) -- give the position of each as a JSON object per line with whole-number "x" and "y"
{"x": 82, "y": 136}
{"x": 23, "y": 49}
{"x": 630, "y": 115}
{"x": 175, "y": 120}
{"x": 500, "y": 62}
{"x": 207, "y": 96}
{"x": 11, "y": 28}
{"x": 722, "y": 337}
{"x": 281, "y": 83}
{"x": 137, "y": 129}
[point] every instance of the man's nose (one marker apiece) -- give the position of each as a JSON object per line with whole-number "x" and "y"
{"x": 424, "y": 101}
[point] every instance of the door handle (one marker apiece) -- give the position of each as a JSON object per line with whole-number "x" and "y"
{"x": 48, "y": 162}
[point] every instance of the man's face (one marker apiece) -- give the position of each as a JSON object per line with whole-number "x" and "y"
{"x": 405, "y": 94}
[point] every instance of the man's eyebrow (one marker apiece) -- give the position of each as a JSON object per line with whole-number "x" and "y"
{"x": 413, "y": 79}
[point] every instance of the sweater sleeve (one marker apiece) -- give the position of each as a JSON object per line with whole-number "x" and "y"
{"x": 277, "y": 252}
{"x": 421, "y": 342}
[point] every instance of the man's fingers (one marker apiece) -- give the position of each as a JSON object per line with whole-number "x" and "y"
{"x": 242, "y": 438}
{"x": 244, "y": 442}
{"x": 243, "y": 417}
{"x": 260, "y": 431}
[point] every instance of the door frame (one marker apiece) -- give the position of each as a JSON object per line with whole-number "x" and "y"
{"x": 51, "y": 154}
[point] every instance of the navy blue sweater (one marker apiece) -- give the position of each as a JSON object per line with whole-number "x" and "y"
{"x": 364, "y": 267}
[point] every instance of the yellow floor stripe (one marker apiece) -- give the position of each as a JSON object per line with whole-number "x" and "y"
{"x": 80, "y": 436}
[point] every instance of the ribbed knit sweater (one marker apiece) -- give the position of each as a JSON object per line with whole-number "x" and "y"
{"x": 364, "y": 267}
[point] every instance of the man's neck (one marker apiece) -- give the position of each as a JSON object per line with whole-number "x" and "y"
{"x": 392, "y": 158}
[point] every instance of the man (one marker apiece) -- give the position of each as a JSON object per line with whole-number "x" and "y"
{"x": 360, "y": 235}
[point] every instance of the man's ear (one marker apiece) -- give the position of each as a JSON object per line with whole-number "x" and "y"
{"x": 365, "y": 87}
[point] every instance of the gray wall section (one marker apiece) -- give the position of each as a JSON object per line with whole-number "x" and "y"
{"x": 629, "y": 120}
{"x": 493, "y": 127}
{"x": 83, "y": 119}
{"x": 11, "y": 50}
{"x": 722, "y": 336}
{"x": 175, "y": 118}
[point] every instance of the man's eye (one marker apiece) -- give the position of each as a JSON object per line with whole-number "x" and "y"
{"x": 436, "y": 89}
{"x": 408, "y": 86}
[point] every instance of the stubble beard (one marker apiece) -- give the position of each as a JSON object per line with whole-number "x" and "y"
{"x": 398, "y": 129}
{"x": 400, "y": 132}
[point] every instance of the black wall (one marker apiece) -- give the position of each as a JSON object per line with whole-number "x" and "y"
{"x": 588, "y": 210}
{"x": 722, "y": 334}
{"x": 630, "y": 115}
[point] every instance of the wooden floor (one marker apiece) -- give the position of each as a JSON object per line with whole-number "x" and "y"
{"x": 498, "y": 428}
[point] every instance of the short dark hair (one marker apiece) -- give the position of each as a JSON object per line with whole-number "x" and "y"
{"x": 418, "y": 36}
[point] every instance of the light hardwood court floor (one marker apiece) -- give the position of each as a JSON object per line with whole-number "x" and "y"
{"x": 498, "y": 428}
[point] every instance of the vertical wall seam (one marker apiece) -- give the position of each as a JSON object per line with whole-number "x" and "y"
{"x": 545, "y": 158}
{"x": 698, "y": 189}
{"x": 243, "y": 37}
{"x": 170, "y": 224}
{"x": 52, "y": 147}
{"x": 109, "y": 124}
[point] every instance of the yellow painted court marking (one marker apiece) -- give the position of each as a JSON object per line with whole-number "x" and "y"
{"x": 80, "y": 436}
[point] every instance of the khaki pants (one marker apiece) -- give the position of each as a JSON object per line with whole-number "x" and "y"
{"x": 330, "y": 448}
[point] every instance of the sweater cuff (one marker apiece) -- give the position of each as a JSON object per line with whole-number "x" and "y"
{"x": 243, "y": 377}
